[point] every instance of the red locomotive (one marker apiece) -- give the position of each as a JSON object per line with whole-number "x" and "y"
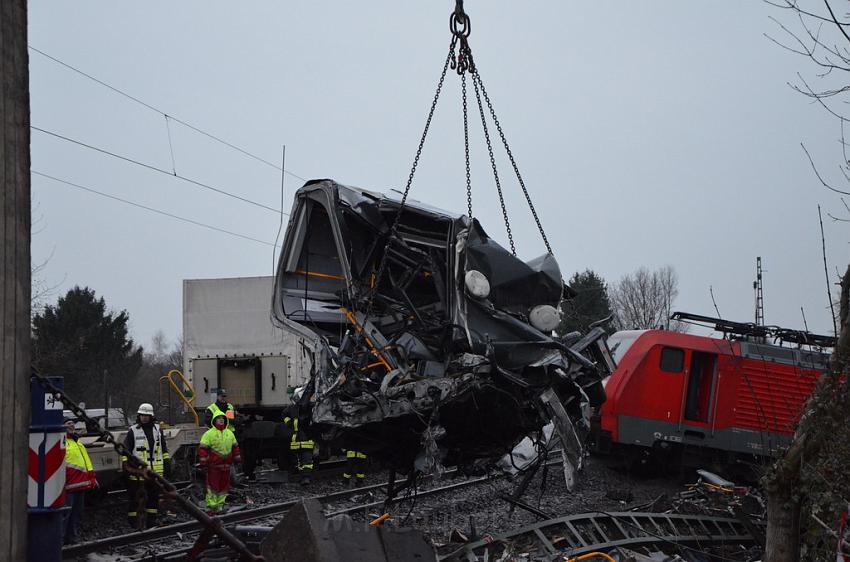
{"x": 682, "y": 399}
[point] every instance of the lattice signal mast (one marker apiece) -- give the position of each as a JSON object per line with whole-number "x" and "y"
{"x": 757, "y": 288}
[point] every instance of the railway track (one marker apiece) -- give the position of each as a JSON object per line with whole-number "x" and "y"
{"x": 573, "y": 535}
{"x": 325, "y": 470}
{"x": 246, "y": 516}
{"x": 188, "y": 529}
{"x": 258, "y": 533}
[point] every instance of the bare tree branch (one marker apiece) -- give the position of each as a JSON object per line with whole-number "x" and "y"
{"x": 832, "y": 14}
{"x": 794, "y": 5}
{"x": 810, "y": 52}
{"x": 809, "y": 92}
{"x": 826, "y": 185}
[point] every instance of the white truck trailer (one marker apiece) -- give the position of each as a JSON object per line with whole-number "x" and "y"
{"x": 230, "y": 342}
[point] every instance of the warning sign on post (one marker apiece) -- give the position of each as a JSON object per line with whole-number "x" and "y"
{"x": 51, "y": 403}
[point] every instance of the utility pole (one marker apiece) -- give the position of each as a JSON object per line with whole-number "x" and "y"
{"x": 15, "y": 274}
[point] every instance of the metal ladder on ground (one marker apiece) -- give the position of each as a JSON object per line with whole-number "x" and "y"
{"x": 589, "y": 532}
{"x": 183, "y": 390}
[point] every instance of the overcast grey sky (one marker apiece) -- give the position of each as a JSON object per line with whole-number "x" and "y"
{"x": 648, "y": 133}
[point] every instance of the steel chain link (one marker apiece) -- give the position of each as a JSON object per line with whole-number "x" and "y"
{"x": 463, "y": 63}
{"x": 493, "y": 165}
{"x": 477, "y": 78}
{"x": 394, "y": 228}
{"x": 461, "y": 27}
{"x": 79, "y": 413}
{"x": 466, "y": 147}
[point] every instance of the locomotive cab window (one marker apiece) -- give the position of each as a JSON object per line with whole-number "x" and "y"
{"x": 672, "y": 359}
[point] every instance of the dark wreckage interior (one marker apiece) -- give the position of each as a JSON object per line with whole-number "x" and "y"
{"x": 445, "y": 354}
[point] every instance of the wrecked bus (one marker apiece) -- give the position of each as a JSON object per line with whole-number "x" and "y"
{"x": 447, "y": 358}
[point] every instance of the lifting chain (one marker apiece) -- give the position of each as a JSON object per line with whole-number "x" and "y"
{"x": 461, "y": 26}
{"x": 80, "y": 414}
{"x": 466, "y": 147}
{"x": 394, "y": 228}
{"x": 493, "y": 165}
{"x": 461, "y": 61}
{"x": 477, "y": 78}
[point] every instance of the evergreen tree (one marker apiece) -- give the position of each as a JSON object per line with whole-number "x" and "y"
{"x": 589, "y": 305}
{"x": 81, "y": 340}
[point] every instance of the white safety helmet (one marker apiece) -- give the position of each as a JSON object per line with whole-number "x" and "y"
{"x": 145, "y": 409}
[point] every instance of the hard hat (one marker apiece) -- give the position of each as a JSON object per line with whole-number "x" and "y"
{"x": 145, "y": 409}
{"x": 221, "y": 392}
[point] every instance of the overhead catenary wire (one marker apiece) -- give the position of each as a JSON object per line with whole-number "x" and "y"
{"x": 151, "y": 209}
{"x": 160, "y": 170}
{"x": 167, "y": 115}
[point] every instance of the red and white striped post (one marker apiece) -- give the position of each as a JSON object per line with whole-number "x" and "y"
{"x": 46, "y": 482}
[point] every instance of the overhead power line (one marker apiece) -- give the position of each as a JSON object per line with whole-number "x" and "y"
{"x": 173, "y": 174}
{"x": 151, "y": 209}
{"x": 166, "y": 115}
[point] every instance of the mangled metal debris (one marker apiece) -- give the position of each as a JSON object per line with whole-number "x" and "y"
{"x": 712, "y": 494}
{"x": 444, "y": 356}
{"x": 306, "y": 535}
{"x": 570, "y": 537}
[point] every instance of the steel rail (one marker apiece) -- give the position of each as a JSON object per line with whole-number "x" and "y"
{"x": 179, "y": 553}
{"x": 418, "y": 494}
{"x": 234, "y": 517}
{"x": 244, "y": 516}
{"x": 580, "y": 534}
{"x": 322, "y": 471}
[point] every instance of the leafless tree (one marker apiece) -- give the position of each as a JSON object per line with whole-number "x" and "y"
{"x": 644, "y": 299}
{"x": 41, "y": 288}
{"x": 820, "y": 31}
{"x": 808, "y": 485}
{"x": 162, "y": 356}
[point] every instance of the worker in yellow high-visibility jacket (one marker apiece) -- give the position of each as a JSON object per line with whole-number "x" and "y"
{"x": 220, "y": 406}
{"x": 355, "y": 467}
{"x": 217, "y": 452}
{"x": 79, "y": 477}
{"x": 145, "y": 440}
{"x": 300, "y": 445}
